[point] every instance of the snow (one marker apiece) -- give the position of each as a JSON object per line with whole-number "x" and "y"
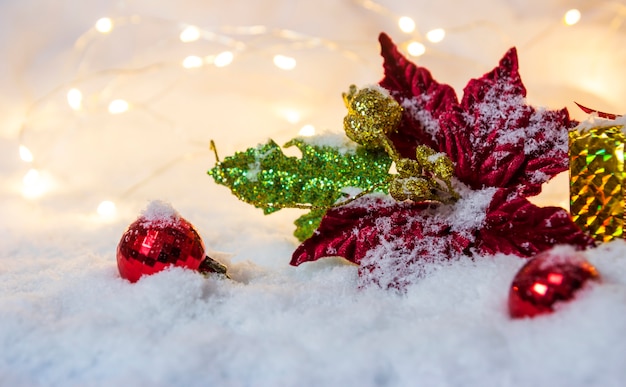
{"x": 338, "y": 141}
{"x": 594, "y": 121}
{"x": 397, "y": 263}
{"x": 562, "y": 254}
{"x": 68, "y": 319}
{"x": 415, "y": 108}
{"x": 158, "y": 211}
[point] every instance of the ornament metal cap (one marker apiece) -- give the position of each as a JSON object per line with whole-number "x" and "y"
{"x": 210, "y": 265}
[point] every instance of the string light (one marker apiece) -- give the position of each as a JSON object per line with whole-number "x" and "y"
{"x": 75, "y": 99}
{"x": 223, "y": 59}
{"x": 190, "y": 34}
{"x": 104, "y": 25}
{"x": 192, "y": 62}
{"x": 118, "y": 106}
{"x": 406, "y": 24}
{"x": 572, "y": 17}
{"x": 107, "y": 209}
{"x": 436, "y": 35}
{"x": 416, "y": 49}
{"x": 25, "y": 154}
{"x": 307, "y": 130}
{"x": 284, "y": 62}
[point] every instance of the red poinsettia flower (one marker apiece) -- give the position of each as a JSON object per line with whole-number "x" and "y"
{"x": 503, "y": 151}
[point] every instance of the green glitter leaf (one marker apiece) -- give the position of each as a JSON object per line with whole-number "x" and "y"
{"x": 268, "y": 179}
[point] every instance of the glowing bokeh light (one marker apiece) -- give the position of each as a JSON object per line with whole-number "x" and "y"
{"x": 192, "y": 62}
{"x": 189, "y": 34}
{"x": 572, "y": 17}
{"x": 118, "y": 106}
{"x": 75, "y": 99}
{"x": 25, "y": 154}
{"x": 416, "y": 49}
{"x": 292, "y": 116}
{"x": 104, "y": 25}
{"x": 436, "y": 35}
{"x": 107, "y": 209}
{"x": 307, "y": 130}
{"x": 35, "y": 184}
{"x": 406, "y": 24}
{"x": 223, "y": 59}
{"x": 284, "y": 62}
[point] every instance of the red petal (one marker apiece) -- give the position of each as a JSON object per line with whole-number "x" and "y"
{"x": 494, "y": 138}
{"x": 351, "y": 231}
{"x": 513, "y": 145}
{"x": 392, "y": 242}
{"x": 521, "y": 228}
{"x": 587, "y": 110}
{"x": 423, "y": 99}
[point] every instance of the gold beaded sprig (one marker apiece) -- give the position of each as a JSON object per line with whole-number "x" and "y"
{"x": 372, "y": 116}
{"x": 269, "y": 179}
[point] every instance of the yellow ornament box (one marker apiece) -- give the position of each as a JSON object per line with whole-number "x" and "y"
{"x": 597, "y": 178}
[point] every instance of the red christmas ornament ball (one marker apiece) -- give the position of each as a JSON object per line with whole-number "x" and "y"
{"x": 550, "y": 277}
{"x": 159, "y": 238}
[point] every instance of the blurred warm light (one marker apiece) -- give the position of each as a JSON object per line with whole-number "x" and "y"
{"x": 34, "y": 184}
{"x": 406, "y": 24}
{"x": 284, "y": 62}
{"x": 31, "y": 177}
{"x": 25, "y": 154}
{"x": 104, "y": 25}
{"x": 107, "y": 209}
{"x": 572, "y": 17}
{"x": 292, "y": 116}
{"x": 190, "y": 34}
{"x": 192, "y": 62}
{"x": 75, "y": 99}
{"x": 118, "y": 106}
{"x": 436, "y": 35}
{"x": 223, "y": 59}
{"x": 416, "y": 49}
{"x": 307, "y": 130}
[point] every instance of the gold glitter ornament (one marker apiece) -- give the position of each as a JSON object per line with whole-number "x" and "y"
{"x": 597, "y": 180}
{"x": 371, "y": 116}
{"x": 437, "y": 163}
{"x": 416, "y": 189}
{"x": 419, "y": 179}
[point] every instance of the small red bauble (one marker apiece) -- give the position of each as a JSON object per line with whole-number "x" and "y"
{"x": 160, "y": 238}
{"x": 552, "y": 276}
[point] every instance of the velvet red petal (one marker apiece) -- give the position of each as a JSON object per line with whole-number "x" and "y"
{"x": 609, "y": 116}
{"x": 513, "y": 145}
{"x": 356, "y": 230}
{"x": 350, "y": 231}
{"x": 494, "y": 138}
{"x": 423, "y": 99}
{"x": 519, "y": 227}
